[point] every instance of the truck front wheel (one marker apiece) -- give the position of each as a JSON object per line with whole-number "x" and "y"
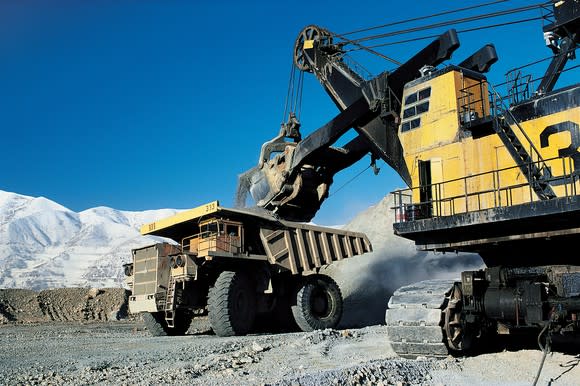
{"x": 318, "y": 304}
{"x": 232, "y": 304}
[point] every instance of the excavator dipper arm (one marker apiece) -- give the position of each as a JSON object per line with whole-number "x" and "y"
{"x": 295, "y": 181}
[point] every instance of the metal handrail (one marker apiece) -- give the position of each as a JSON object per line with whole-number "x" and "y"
{"x": 233, "y": 243}
{"x": 471, "y": 99}
{"x": 499, "y": 109}
{"x": 518, "y": 86}
{"x": 506, "y": 109}
{"x": 502, "y": 195}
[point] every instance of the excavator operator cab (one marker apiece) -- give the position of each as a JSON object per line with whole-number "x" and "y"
{"x": 440, "y": 110}
{"x": 216, "y": 235}
{"x": 438, "y": 104}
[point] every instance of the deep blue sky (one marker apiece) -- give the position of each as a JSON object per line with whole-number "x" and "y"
{"x": 152, "y": 104}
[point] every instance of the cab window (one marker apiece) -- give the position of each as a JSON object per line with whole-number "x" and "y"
{"x": 232, "y": 230}
{"x": 211, "y": 228}
{"x": 416, "y": 104}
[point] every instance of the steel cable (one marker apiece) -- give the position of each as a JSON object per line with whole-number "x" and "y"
{"x": 423, "y": 17}
{"x": 289, "y": 93}
{"x": 349, "y": 181}
{"x": 451, "y": 22}
{"x": 361, "y": 47}
{"x": 437, "y": 35}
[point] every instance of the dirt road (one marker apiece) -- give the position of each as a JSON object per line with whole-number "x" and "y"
{"x": 123, "y": 353}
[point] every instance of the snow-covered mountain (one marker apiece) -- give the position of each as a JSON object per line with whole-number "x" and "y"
{"x": 45, "y": 245}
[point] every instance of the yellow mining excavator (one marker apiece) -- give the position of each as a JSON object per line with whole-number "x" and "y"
{"x": 490, "y": 174}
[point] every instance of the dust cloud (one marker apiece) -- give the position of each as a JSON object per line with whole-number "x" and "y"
{"x": 243, "y": 188}
{"x": 369, "y": 280}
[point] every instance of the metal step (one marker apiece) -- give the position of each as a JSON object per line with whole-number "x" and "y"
{"x": 169, "y": 304}
{"x": 535, "y": 174}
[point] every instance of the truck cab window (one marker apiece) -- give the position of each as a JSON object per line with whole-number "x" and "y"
{"x": 232, "y": 230}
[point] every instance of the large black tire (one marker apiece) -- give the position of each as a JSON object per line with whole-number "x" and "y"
{"x": 318, "y": 304}
{"x": 157, "y": 326}
{"x": 232, "y": 304}
{"x": 155, "y": 323}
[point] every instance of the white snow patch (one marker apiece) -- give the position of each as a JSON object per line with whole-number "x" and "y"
{"x": 45, "y": 245}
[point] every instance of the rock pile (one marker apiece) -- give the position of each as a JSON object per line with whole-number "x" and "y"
{"x": 62, "y": 304}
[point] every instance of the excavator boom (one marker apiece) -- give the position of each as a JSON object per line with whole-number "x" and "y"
{"x": 295, "y": 182}
{"x": 486, "y": 174}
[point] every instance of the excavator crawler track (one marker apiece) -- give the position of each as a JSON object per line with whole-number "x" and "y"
{"x": 414, "y": 319}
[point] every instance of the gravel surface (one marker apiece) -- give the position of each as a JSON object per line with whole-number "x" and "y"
{"x": 73, "y": 353}
{"x": 123, "y": 353}
{"x": 72, "y": 336}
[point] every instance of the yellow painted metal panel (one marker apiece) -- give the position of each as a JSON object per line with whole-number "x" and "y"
{"x": 308, "y": 44}
{"x": 439, "y": 125}
{"x": 142, "y": 304}
{"x": 476, "y": 166}
{"x": 436, "y": 170}
{"x": 436, "y": 179}
{"x": 187, "y": 215}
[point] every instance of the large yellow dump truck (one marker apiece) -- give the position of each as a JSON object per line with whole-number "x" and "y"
{"x": 234, "y": 265}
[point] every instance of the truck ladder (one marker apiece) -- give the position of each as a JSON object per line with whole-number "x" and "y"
{"x": 169, "y": 303}
{"x": 531, "y": 164}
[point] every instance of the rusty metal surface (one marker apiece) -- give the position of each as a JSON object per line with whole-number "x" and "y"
{"x": 304, "y": 248}
{"x": 566, "y": 279}
{"x": 151, "y": 271}
{"x": 294, "y": 246}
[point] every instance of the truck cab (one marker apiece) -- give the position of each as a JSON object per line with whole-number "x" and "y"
{"x": 216, "y": 235}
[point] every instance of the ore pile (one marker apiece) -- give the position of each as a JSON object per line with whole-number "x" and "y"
{"x": 62, "y": 304}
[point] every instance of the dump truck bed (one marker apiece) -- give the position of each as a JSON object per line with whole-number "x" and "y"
{"x": 295, "y": 246}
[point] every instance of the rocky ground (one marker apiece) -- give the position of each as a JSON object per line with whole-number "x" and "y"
{"x": 71, "y": 336}
{"x": 62, "y": 304}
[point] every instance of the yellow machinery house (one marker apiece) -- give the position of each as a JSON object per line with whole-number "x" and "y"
{"x": 466, "y": 150}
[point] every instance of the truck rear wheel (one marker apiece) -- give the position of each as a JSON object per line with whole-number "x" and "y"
{"x": 232, "y": 304}
{"x": 157, "y": 326}
{"x": 155, "y": 323}
{"x": 318, "y": 304}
